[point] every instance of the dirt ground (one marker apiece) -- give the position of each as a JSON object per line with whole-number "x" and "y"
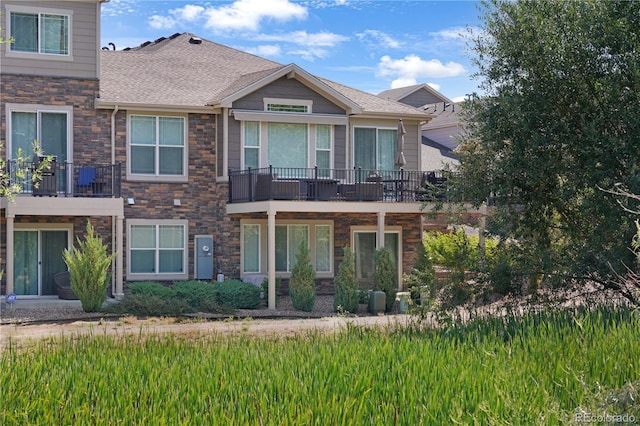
{"x": 23, "y": 335}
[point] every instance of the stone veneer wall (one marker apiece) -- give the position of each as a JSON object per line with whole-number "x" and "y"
{"x": 200, "y": 203}
{"x": 342, "y": 223}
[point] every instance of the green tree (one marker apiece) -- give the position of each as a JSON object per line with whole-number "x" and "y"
{"x": 88, "y": 264}
{"x": 559, "y": 123}
{"x": 385, "y": 276}
{"x": 346, "y": 284}
{"x": 302, "y": 286}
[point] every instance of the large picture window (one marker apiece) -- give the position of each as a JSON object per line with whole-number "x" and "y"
{"x": 157, "y": 249}
{"x": 374, "y": 149}
{"x": 289, "y": 145}
{"x": 157, "y": 145}
{"x": 35, "y": 32}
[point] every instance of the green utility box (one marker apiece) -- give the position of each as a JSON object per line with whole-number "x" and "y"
{"x": 376, "y": 302}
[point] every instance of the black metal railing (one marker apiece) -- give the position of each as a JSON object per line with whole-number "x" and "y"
{"x": 318, "y": 184}
{"x": 66, "y": 179}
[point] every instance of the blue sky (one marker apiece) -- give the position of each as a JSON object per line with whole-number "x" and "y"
{"x": 369, "y": 45}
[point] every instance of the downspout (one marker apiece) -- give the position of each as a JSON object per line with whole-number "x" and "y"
{"x": 116, "y": 263}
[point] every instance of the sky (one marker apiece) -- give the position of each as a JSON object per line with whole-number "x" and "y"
{"x": 369, "y": 45}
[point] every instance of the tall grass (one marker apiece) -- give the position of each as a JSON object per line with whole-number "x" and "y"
{"x": 536, "y": 369}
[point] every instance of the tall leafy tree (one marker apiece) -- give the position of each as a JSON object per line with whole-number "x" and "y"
{"x": 559, "y": 125}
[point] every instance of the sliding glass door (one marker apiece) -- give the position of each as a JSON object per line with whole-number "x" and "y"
{"x": 364, "y": 251}
{"x": 37, "y": 258}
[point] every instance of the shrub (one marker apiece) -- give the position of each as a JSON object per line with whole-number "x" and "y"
{"x": 151, "y": 288}
{"x": 422, "y": 274}
{"x": 265, "y": 288}
{"x": 150, "y": 305}
{"x": 385, "y": 276}
{"x": 88, "y": 264}
{"x": 201, "y": 295}
{"x": 346, "y": 285}
{"x": 238, "y": 294}
{"x": 302, "y": 288}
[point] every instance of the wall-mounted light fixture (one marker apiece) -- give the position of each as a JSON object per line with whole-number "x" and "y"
{"x": 131, "y": 201}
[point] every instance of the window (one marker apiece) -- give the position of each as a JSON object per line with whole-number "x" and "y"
{"x": 374, "y": 149}
{"x": 251, "y": 248}
{"x": 49, "y": 126}
{"x": 157, "y": 249}
{"x": 288, "y": 240}
{"x": 318, "y": 235}
{"x": 39, "y": 32}
{"x": 323, "y": 149}
{"x": 157, "y": 145}
{"x": 293, "y": 145}
{"x": 252, "y": 144}
{"x": 288, "y": 145}
{"x": 300, "y": 106}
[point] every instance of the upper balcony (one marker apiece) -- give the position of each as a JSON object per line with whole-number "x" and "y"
{"x": 66, "y": 179}
{"x": 315, "y": 184}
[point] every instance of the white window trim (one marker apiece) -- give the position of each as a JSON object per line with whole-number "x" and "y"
{"x": 294, "y": 102}
{"x": 184, "y": 275}
{"x": 312, "y": 237}
{"x": 37, "y": 109}
{"x": 39, "y": 10}
{"x": 138, "y": 177}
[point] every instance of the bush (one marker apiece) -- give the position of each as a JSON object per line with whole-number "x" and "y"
{"x": 385, "y": 277}
{"x": 238, "y": 294}
{"x": 88, "y": 264}
{"x": 201, "y": 295}
{"x": 151, "y": 288}
{"x": 422, "y": 274}
{"x": 150, "y": 305}
{"x": 302, "y": 287}
{"x": 265, "y": 289}
{"x": 346, "y": 296}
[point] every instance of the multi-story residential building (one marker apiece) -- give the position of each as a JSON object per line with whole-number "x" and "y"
{"x": 193, "y": 159}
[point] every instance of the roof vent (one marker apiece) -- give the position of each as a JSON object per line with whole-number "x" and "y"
{"x": 195, "y": 40}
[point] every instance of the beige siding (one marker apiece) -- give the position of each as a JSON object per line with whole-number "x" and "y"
{"x": 85, "y": 33}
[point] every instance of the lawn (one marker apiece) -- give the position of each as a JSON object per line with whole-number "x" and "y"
{"x": 546, "y": 368}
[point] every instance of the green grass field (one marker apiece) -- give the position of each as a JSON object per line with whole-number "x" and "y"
{"x": 538, "y": 369}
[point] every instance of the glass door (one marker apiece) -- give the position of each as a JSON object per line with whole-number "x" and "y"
{"x": 25, "y": 263}
{"x": 364, "y": 251}
{"x": 37, "y": 258}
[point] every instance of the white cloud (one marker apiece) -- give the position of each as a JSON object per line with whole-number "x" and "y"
{"x": 247, "y": 15}
{"x": 268, "y": 50}
{"x": 189, "y": 13}
{"x": 453, "y": 33}
{"x": 162, "y": 22}
{"x": 303, "y": 38}
{"x": 378, "y": 39}
{"x": 310, "y": 54}
{"x": 411, "y": 68}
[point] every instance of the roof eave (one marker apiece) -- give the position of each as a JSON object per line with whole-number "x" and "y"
{"x": 99, "y": 104}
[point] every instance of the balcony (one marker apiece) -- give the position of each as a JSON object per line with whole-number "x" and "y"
{"x": 315, "y": 184}
{"x": 67, "y": 179}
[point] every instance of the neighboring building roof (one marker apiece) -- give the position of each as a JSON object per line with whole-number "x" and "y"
{"x": 184, "y": 70}
{"x": 445, "y": 115}
{"x": 417, "y": 95}
{"x": 436, "y": 156}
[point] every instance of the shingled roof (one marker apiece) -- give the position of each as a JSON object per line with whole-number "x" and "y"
{"x": 184, "y": 70}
